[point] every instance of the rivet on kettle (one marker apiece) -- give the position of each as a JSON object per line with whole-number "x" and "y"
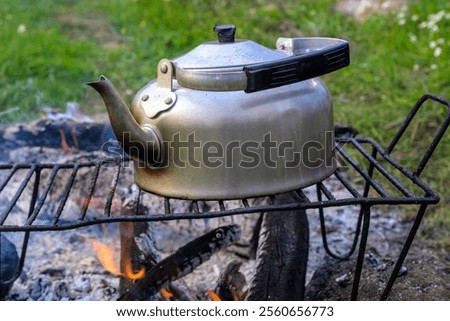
{"x": 168, "y": 100}
{"x": 145, "y": 97}
{"x": 164, "y": 68}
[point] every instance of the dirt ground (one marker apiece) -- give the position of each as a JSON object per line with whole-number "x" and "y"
{"x": 424, "y": 276}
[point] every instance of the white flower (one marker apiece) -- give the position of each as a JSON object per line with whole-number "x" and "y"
{"x": 401, "y": 22}
{"x": 433, "y": 67}
{"x": 414, "y": 17}
{"x": 423, "y": 25}
{"x": 435, "y": 18}
{"x": 416, "y": 67}
{"x": 21, "y": 28}
{"x": 437, "y": 51}
{"x": 432, "y": 44}
{"x": 412, "y": 37}
{"x": 434, "y": 28}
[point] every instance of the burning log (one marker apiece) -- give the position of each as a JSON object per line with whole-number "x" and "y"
{"x": 178, "y": 289}
{"x": 231, "y": 285}
{"x": 181, "y": 263}
{"x": 130, "y": 250}
{"x": 282, "y": 256}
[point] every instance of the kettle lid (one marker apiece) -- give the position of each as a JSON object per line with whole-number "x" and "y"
{"x": 227, "y": 53}
{"x": 229, "y": 64}
{"x": 218, "y": 65}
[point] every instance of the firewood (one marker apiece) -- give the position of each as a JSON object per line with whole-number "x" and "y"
{"x": 181, "y": 263}
{"x": 180, "y": 290}
{"x": 231, "y": 284}
{"x": 138, "y": 239}
{"x": 282, "y": 256}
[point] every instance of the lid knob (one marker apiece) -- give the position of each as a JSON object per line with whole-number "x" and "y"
{"x": 225, "y": 32}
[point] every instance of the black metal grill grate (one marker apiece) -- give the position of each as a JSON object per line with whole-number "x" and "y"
{"x": 42, "y": 220}
{"x": 380, "y": 180}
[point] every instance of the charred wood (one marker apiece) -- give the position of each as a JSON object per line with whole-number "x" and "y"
{"x": 181, "y": 263}
{"x": 49, "y": 133}
{"x": 180, "y": 290}
{"x": 282, "y": 256}
{"x": 136, "y": 242}
{"x": 231, "y": 285}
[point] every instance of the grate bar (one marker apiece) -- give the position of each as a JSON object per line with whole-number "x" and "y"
{"x": 167, "y": 205}
{"x": 222, "y": 206}
{"x": 436, "y": 139}
{"x": 411, "y": 176}
{"x": 112, "y": 191}
{"x": 91, "y": 189}
{"x": 44, "y": 195}
{"x": 325, "y": 190}
{"x": 272, "y": 199}
{"x": 8, "y": 178}
{"x": 19, "y": 192}
{"x": 361, "y": 252}
{"x": 194, "y": 206}
{"x": 347, "y": 185}
{"x": 382, "y": 170}
{"x": 363, "y": 173}
{"x": 323, "y": 230}
{"x": 299, "y": 193}
{"x": 404, "y": 251}
{"x": 65, "y": 194}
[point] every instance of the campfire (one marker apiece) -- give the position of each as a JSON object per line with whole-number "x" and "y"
{"x": 90, "y": 233}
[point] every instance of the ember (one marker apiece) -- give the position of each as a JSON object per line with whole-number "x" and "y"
{"x": 213, "y": 296}
{"x": 166, "y": 294}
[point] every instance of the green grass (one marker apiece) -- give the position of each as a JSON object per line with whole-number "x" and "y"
{"x": 51, "y": 48}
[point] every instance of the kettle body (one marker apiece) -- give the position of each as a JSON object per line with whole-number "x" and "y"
{"x": 232, "y": 119}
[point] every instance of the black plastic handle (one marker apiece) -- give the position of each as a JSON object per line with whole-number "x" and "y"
{"x": 297, "y": 68}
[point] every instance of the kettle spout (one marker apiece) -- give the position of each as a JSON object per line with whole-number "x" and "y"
{"x": 144, "y": 143}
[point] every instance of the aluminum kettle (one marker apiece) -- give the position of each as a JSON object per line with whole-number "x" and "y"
{"x": 232, "y": 118}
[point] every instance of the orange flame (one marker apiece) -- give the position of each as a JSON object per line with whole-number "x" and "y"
{"x": 166, "y": 294}
{"x": 236, "y": 297}
{"x": 213, "y": 296}
{"x": 128, "y": 273}
{"x": 105, "y": 255}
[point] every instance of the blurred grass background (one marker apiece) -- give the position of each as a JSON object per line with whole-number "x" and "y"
{"x": 50, "y": 49}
